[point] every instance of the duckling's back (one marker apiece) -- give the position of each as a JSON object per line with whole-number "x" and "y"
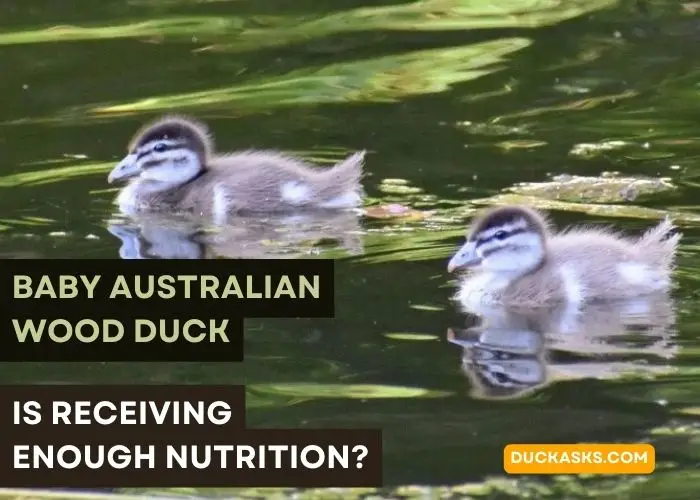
{"x": 264, "y": 182}
{"x": 606, "y": 265}
{"x": 261, "y": 181}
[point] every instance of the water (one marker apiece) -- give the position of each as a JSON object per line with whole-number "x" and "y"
{"x": 459, "y": 100}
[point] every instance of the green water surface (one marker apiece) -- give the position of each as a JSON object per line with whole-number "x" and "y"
{"x": 457, "y": 102}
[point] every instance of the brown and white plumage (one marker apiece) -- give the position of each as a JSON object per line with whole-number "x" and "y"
{"x": 172, "y": 166}
{"x": 517, "y": 259}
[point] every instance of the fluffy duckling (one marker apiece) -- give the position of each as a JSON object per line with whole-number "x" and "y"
{"x": 172, "y": 167}
{"x": 518, "y": 260}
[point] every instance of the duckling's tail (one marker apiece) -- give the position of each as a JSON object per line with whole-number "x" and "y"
{"x": 341, "y": 184}
{"x": 348, "y": 172}
{"x": 660, "y": 244}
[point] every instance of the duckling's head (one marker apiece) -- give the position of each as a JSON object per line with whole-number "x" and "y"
{"x": 171, "y": 150}
{"x": 509, "y": 239}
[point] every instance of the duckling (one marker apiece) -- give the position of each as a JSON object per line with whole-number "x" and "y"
{"x": 518, "y": 260}
{"x": 171, "y": 166}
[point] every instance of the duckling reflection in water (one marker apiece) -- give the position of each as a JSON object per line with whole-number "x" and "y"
{"x": 155, "y": 236}
{"x": 517, "y": 259}
{"x": 510, "y": 353}
{"x": 172, "y": 167}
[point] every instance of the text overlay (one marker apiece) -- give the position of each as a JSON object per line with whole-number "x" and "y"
{"x": 168, "y": 436}
{"x": 635, "y": 458}
{"x": 151, "y": 310}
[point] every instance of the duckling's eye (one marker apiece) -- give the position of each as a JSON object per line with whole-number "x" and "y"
{"x": 500, "y": 235}
{"x": 159, "y": 148}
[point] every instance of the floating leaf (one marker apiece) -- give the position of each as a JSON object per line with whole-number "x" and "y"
{"x": 425, "y": 307}
{"x": 521, "y": 144}
{"x": 410, "y": 336}
{"x": 395, "y": 211}
{"x": 350, "y": 391}
{"x": 590, "y": 150}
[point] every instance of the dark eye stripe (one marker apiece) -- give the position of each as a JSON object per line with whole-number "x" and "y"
{"x": 508, "y": 234}
{"x": 152, "y": 163}
{"x": 163, "y": 149}
{"x": 489, "y": 251}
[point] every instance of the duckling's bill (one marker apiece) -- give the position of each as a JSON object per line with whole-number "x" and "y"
{"x": 125, "y": 169}
{"x": 465, "y": 257}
